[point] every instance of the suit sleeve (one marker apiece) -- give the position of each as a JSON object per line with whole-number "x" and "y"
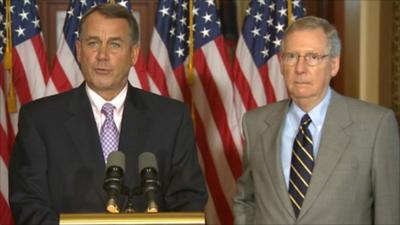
{"x": 186, "y": 190}
{"x": 385, "y": 174}
{"x": 29, "y": 199}
{"x": 243, "y": 203}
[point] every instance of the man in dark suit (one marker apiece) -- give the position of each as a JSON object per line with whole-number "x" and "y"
{"x": 58, "y": 164}
{"x": 318, "y": 157}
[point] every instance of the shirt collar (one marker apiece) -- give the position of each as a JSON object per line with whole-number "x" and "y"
{"x": 97, "y": 101}
{"x": 317, "y": 114}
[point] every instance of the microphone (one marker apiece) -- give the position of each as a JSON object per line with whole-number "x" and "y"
{"x": 113, "y": 185}
{"x": 148, "y": 170}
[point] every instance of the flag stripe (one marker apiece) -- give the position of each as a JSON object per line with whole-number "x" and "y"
{"x": 276, "y": 78}
{"x": 248, "y": 80}
{"x": 4, "y": 178}
{"x": 218, "y": 111}
{"x": 214, "y": 184}
{"x": 214, "y": 139}
{"x": 268, "y": 88}
{"x": 243, "y": 88}
{"x": 4, "y": 142}
{"x": 159, "y": 67}
{"x": 224, "y": 76}
{"x": 60, "y": 81}
{"x": 180, "y": 77}
{"x": 38, "y": 45}
{"x": 157, "y": 76}
{"x": 138, "y": 74}
{"x": 5, "y": 215}
{"x": 20, "y": 80}
{"x": 65, "y": 73}
{"x": 32, "y": 65}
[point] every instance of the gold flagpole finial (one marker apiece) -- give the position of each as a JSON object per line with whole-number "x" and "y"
{"x": 11, "y": 98}
{"x": 111, "y": 1}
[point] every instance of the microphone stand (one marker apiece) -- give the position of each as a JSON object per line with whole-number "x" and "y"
{"x": 131, "y": 193}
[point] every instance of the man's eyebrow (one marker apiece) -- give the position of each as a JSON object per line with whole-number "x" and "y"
{"x": 115, "y": 39}
{"x": 92, "y": 38}
{"x": 97, "y": 38}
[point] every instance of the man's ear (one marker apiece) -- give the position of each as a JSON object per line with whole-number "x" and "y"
{"x": 335, "y": 65}
{"x": 280, "y": 62}
{"x": 78, "y": 49}
{"x": 134, "y": 53}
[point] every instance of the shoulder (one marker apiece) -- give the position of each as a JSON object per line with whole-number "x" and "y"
{"x": 266, "y": 112}
{"x": 358, "y": 116}
{"x": 150, "y": 101}
{"x": 51, "y": 103}
{"x": 360, "y": 110}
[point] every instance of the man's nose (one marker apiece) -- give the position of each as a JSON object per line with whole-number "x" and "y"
{"x": 102, "y": 53}
{"x": 301, "y": 65}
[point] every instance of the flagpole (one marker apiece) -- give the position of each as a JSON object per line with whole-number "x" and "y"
{"x": 289, "y": 12}
{"x": 191, "y": 44}
{"x": 190, "y": 76}
{"x": 11, "y": 98}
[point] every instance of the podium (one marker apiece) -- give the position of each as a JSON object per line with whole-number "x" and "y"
{"x": 197, "y": 218}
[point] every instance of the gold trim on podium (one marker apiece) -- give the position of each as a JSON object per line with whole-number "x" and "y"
{"x": 133, "y": 218}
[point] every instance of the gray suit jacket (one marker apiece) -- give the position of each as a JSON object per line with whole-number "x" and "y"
{"x": 356, "y": 174}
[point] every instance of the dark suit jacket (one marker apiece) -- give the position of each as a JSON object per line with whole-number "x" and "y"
{"x": 57, "y": 164}
{"x": 356, "y": 174}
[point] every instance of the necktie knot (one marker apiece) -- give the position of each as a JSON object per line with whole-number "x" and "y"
{"x": 305, "y": 120}
{"x": 108, "y": 110}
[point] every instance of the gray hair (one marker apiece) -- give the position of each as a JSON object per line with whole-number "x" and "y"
{"x": 114, "y": 11}
{"x": 311, "y": 23}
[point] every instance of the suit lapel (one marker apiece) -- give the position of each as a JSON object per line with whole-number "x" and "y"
{"x": 83, "y": 131}
{"x": 272, "y": 148}
{"x": 333, "y": 143}
{"x": 134, "y": 134}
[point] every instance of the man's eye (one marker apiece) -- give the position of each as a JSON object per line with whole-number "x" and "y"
{"x": 92, "y": 43}
{"x": 291, "y": 56}
{"x": 115, "y": 45}
{"x": 312, "y": 56}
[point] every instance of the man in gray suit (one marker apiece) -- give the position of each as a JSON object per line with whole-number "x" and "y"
{"x": 340, "y": 166}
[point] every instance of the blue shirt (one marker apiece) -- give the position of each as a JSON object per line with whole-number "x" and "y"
{"x": 291, "y": 127}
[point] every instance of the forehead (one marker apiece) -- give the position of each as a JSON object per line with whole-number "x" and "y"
{"x": 307, "y": 40}
{"x": 97, "y": 22}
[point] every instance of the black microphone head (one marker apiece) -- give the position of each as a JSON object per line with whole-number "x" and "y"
{"x": 116, "y": 158}
{"x": 147, "y": 160}
{"x": 148, "y": 170}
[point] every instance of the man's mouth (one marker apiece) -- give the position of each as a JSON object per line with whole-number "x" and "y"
{"x": 100, "y": 70}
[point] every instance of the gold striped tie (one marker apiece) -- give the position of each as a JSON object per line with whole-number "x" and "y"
{"x": 302, "y": 165}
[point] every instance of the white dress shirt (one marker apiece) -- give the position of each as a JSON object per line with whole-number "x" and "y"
{"x": 97, "y": 103}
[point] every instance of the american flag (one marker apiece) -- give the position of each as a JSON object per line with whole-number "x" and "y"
{"x": 258, "y": 79}
{"x": 27, "y": 76}
{"x": 208, "y": 90}
{"x": 66, "y": 73}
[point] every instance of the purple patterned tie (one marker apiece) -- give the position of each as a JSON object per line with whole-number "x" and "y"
{"x": 109, "y": 135}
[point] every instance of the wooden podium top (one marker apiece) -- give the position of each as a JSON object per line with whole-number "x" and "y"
{"x": 134, "y": 218}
